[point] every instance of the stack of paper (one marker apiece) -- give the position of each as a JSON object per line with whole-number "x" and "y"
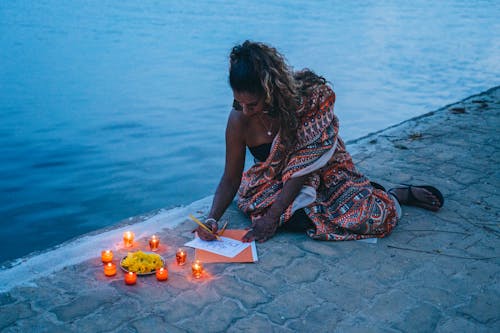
{"x": 229, "y": 249}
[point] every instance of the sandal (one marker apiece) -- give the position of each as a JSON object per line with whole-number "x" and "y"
{"x": 413, "y": 201}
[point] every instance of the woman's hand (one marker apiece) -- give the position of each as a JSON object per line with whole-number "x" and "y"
{"x": 262, "y": 229}
{"x": 204, "y": 234}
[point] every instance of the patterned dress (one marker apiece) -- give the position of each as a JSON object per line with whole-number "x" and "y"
{"x": 338, "y": 199}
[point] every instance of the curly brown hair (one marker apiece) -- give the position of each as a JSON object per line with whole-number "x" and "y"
{"x": 260, "y": 69}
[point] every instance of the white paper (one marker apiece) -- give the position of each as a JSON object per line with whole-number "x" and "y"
{"x": 227, "y": 247}
{"x": 368, "y": 240}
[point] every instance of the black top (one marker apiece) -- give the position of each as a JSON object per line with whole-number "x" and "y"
{"x": 261, "y": 152}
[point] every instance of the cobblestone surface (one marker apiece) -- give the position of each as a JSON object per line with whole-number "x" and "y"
{"x": 436, "y": 272}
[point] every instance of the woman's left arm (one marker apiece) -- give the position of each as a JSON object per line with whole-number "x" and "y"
{"x": 266, "y": 226}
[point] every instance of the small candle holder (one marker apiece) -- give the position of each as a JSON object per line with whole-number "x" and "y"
{"x": 180, "y": 257}
{"x": 154, "y": 243}
{"x": 162, "y": 274}
{"x": 106, "y": 256}
{"x": 110, "y": 269}
{"x": 197, "y": 268}
{"x": 130, "y": 278}
{"x": 128, "y": 239}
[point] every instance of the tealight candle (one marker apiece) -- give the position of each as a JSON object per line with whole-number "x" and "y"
{"x": 162, "y": 274}
{"x": 180, "y": 256}
{"x": 106, "y": 256}
{"x": 110, "y": 269}
{"x": 154, "y": 242}
{"x": 128, "y": 239}
{"x": 197, "y": 268}
{"x": 130, "y": 278}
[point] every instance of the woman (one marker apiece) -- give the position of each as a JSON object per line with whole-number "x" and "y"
{"x": 302, "y": 168}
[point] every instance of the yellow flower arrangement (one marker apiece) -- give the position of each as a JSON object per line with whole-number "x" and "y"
{"x": 142, "y": 263}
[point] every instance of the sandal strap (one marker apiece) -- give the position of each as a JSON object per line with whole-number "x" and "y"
{"x": 391, "y": 192}
{"x": 411, "y": 197}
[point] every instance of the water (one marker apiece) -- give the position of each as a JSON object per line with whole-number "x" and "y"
{"x": 111, "y": 109}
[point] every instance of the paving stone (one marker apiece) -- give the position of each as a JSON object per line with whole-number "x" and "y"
{"x": 151, "y": 289}
{"x": 43, "y": 297}
{"x": 154, "y": 323}
{"x": 395, "y": 272}
{"x": 123, "y": 329}
{"x": 70, "y": 276}
{"x": 178, "y": 280}
{"x": 256, "y": 324}
{"x": 364, "y": 324}
{"x": 366, "y": 288}
{"x": 321, "y": 318}
{"x": 10, "y": 313}
{"x": 440, "y": 298}
{"x": 176, "y": 310}
{"x": 84, "y": 304}
{"x": 482, "y": 308}
{"x": 458, "y": 324}
{"x": 188, "y": 302}
{"x": 288, "y": 305}
{"x": 424, "y": 318}
{"x": 272, "y": 283}
{"x": 280, "y": 257}
{"x": 110, "y": 316}
{"x": 387, "y": 306}
{"x": 39, "y": 324}
{"x": 303, "y": 270}
{"x": 491, "y": 202}
{"x": 442, "y": 278}
{"x": 215, "y": 317}
{"x": 249, "y": 295}
{"x": 346, "y": 298}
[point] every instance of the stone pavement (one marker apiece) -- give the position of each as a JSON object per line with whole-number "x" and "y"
{"x": 436, "y": 272}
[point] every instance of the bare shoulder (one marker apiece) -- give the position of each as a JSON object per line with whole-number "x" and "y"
{"x": 236, "y": 126}
{"x": 236, "y": 118}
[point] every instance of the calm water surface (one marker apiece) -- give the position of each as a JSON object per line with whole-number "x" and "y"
{"x": 111, "y": 109}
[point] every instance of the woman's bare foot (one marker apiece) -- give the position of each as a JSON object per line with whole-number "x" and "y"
{"x": 427, "y": 197}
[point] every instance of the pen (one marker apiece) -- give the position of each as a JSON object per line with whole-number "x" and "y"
{"x": 223, "y": 228}
{"x": 203, "y": 226}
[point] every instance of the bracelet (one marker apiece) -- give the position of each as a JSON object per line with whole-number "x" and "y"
{"x": 211, "y": 220}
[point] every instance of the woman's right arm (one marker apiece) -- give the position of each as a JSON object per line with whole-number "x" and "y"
{"x": 233, "y": 170}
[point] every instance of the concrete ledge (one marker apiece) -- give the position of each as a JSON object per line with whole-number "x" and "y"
{"x": 436, "y": 272}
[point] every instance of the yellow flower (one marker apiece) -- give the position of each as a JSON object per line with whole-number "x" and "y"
{"x": 141, "y": 262}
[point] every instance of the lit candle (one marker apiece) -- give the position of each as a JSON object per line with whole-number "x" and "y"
{"x": 106, "y": 256}
{"x": 180, "y": 256}
{"x": 197, "y": 268}
{"x": 162, "y": 274}
{"x": 130, "y": 278}
{"x": 128, "y": 239}
{"x": 154, "y": 241}
{"x": 109, "y": 269}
